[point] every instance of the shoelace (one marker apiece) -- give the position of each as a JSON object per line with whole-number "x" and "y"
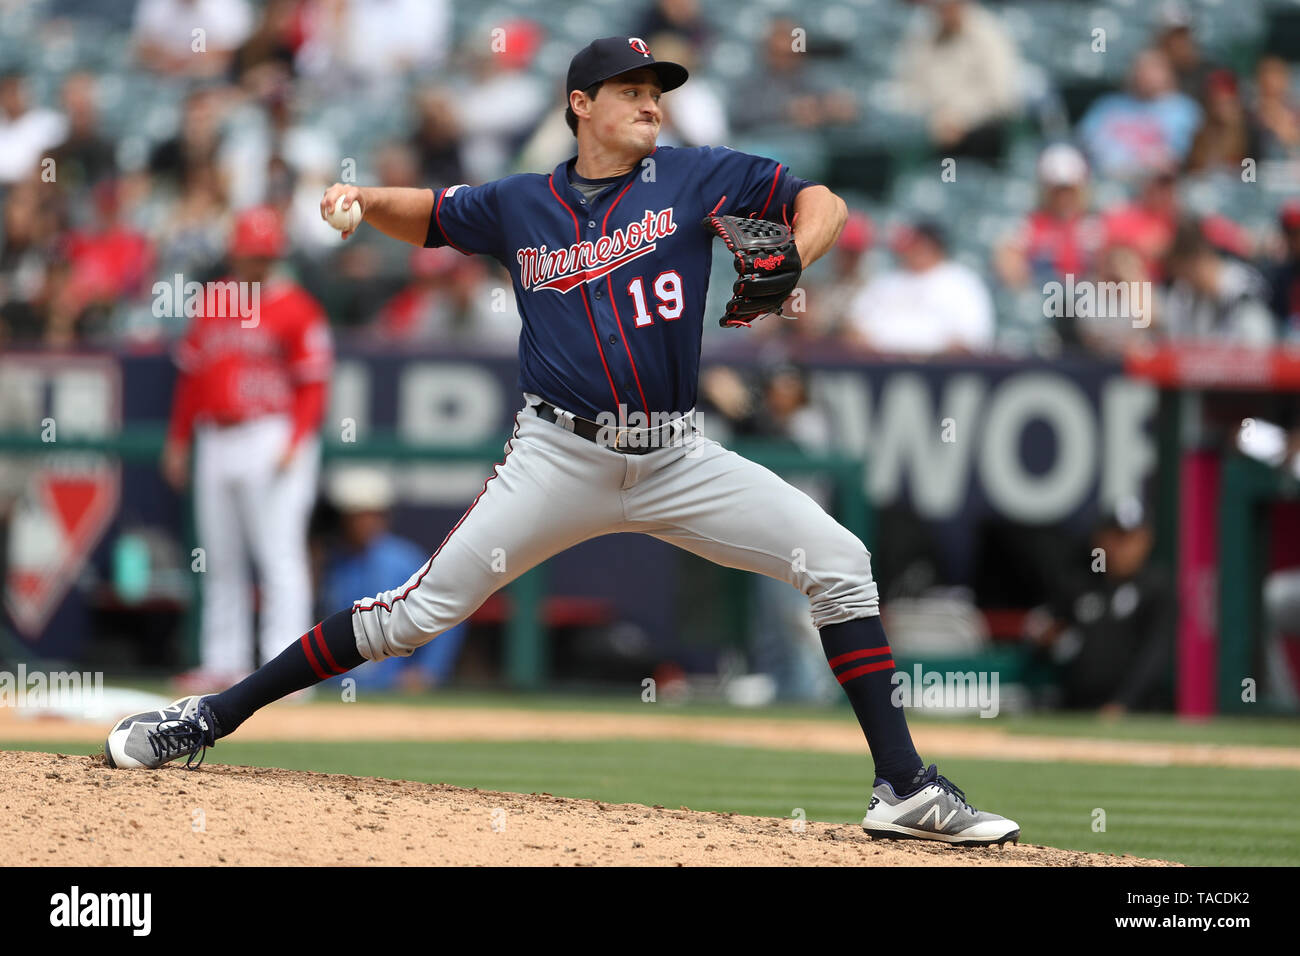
{"x": 943, "y": 783}
{"x": 183, "y": 736}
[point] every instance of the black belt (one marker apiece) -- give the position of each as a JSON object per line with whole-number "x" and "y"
{"x": 627, "y": 441}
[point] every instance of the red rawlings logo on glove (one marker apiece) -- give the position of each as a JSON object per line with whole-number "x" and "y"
{"x": 768, "y": 263}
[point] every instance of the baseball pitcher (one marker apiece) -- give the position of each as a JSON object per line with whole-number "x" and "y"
{"x": 610, "y": 254}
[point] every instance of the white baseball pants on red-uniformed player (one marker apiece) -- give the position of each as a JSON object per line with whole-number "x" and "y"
{"x": 243, "y": 510}
{"x": 556, "y": 489}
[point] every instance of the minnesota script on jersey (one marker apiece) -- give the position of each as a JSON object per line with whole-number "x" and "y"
{"x": 612, "y": 290}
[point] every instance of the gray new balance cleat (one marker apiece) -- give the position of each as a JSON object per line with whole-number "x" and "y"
{"x": 182, "y": 729}
{"x": 935, "y": 810}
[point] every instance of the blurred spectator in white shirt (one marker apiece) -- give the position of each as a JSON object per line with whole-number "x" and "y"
{"x": 26, "y": 133}
{"x": 694, "y": 114}
{"x": 374, "y": 40}
{"x": 501, "y": 104}
{"x": 271, "y": 157}
{"x": 961, "y": 71}
{"x": 1214, "y": 297}
{"x": 931, "y": 306}
{"x": 190, "y": 37}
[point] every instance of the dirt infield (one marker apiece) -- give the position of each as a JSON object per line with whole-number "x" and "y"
{"x": 74, "y": 811}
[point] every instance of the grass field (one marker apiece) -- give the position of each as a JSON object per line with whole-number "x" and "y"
{"x": 1257, "y": 731}
{"x": 1168, "y": 812}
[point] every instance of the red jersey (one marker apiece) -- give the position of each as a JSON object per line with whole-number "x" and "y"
{"x": 231, "y": 373}
{"x": 1057, "y": 247}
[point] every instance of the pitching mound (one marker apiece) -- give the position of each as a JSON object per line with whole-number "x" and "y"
{"x": 74, "y": 811}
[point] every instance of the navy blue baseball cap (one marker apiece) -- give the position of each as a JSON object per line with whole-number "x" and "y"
{"x": 607, "y": 57}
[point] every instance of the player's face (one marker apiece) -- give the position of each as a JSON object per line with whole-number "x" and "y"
{"x": 626, "y": 115}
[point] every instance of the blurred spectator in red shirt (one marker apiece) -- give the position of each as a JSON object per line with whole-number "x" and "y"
{"x": 1227, "y": 135}
{"x": 449, "y": 302}
{"x": 1147, "y": 224}
{"x": 829, "y": 299}
{"x": 105, "y": 265}
{"x": 1276, "y": 112}
{"x": 26, "y": 132}
{"x": 1286, "y": 279}
{"x": 1060, "y": 237}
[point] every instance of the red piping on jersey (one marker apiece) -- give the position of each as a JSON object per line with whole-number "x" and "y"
{"x": 577, "y": 235}
{"x": 496, "y": 470}
{"x": 775, "y": 176}
{"x": 609, "y": 279}
{"x": 437, "y": 209}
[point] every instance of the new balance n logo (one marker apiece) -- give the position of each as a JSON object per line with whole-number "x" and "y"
{"x": 938, "y": 824}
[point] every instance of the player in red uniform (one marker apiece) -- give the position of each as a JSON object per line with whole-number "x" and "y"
{"x": 254, "y": 365}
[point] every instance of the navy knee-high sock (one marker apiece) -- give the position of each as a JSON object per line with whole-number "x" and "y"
{"x": 858, "y": 652}
{"x": 327, "y": 650}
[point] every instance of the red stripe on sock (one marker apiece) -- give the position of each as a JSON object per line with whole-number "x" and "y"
{"x": 864, "y": 669}
{"x": 854, "y": 655}
{"x": 319, "y": 635}
{"x": 311, "y": 658}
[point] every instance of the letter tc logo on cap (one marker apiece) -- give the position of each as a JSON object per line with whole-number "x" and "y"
{"x": 639, "y": 45}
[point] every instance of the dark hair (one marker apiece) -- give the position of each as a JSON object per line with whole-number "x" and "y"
{"x": 570, "y": 117}
{"x": 1189, "y": 241}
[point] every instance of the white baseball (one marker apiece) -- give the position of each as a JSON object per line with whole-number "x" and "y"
{"x": 344, "y": 219}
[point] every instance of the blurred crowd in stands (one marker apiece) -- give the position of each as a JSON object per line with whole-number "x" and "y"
{"x": 982, "y": 164}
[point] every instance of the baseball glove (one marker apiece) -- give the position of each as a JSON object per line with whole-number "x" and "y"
{"x": 768, "y": 264}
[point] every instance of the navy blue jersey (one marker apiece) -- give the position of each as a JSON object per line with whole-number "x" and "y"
{"x": 612, "y": 290}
